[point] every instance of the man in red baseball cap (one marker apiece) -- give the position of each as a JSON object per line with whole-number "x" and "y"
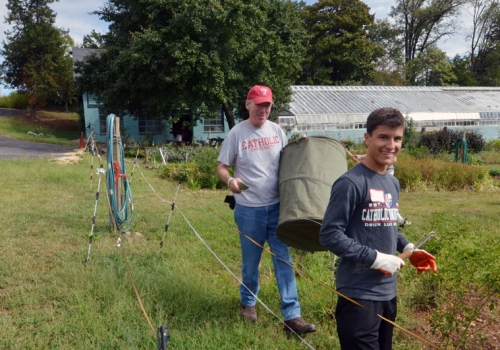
{"x": 254, "y": 147}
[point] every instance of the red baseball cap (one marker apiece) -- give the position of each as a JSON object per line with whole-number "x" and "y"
{"x": 260, "y": 94}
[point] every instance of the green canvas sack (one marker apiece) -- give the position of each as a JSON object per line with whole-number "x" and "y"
{"x": 308, "y": 169}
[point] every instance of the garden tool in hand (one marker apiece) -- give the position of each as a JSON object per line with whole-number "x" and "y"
{"x": 421, "y": 259}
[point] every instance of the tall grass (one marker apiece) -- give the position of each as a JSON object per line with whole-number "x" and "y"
{"x": 50, "y": 300}
{"x": 437, "y": 174}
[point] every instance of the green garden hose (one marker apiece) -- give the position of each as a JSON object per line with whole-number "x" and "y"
{"x": 124, "y": 215}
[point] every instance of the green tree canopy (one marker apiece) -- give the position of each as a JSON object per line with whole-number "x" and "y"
{"x": 34, "y": 51}
{"x": 461, "y": 69}
{"x": 432, "y": 68}
{"x": 390, "y": 68}
{"x": 94, "y": 40}
{"x": 163, "y": 57}
{"x": 339, "y": 51}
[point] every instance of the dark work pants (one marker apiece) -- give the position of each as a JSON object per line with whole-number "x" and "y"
{"x": 360, "y": 328}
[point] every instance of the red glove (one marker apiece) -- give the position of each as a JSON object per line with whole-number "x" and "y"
{"x": 423, "y": 261}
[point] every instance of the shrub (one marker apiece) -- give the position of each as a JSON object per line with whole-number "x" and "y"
{"x": 14, "y": 100}
{"x": 494, "y": 172}
{"x": 475, "y": 141}
{"x": 463, "y": 293}
{"x": 438, "y": 141}
{"x": 200, "y": 171}
{"x": 444, "y": 141}
{"x": 493, "y": 145}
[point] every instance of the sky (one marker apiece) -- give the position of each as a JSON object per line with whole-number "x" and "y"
{"x": 74, "y": 15}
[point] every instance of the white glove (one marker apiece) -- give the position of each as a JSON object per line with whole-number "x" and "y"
{"x": 387, "y": 264}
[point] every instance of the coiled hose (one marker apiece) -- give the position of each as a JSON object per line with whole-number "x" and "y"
{"x": 124, "y": 215}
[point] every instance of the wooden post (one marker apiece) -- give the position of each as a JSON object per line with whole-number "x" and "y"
{"x": 117, "y": 158}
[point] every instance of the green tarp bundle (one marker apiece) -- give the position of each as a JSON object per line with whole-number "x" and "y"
{"x": 308, "y": 169}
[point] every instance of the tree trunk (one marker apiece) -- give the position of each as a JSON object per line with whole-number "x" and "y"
{"x": 33, "y": 111}
{"x": 228, "y": 112}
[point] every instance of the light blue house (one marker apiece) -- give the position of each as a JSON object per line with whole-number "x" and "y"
{"x": 338, "y": 112}
{"x": 153, "y": 130}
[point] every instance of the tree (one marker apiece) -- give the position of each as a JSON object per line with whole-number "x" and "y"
{"x": 461, "y": 69}
{"x": 66, "y": 92}
{"x": 423, "y": 23}
{"x": 432, "y": 68}
{"x": 390, "y": 68}
{"x": 339, "y": 51}
{"x": 484, "y": 13}
{"x": 94, "y": 40}
{"x": 486, "y": 65}
{"x": 34, "y": 52}
{"x": 162, "y": 58}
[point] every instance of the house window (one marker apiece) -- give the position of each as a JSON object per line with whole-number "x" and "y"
{"x": 149, "y": 125}
{"x": 102, "y": 122}
{"x": 92, "y": 101}
{"x": 214, "y": 125}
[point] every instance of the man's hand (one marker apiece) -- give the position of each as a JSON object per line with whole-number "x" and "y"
{"x": 387, "y": 264}
{"x": 233, "y": 184}
{"x": 423, "y": 261}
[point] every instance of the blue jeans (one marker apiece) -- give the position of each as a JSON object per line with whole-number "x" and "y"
{"x": 259, "y": 223}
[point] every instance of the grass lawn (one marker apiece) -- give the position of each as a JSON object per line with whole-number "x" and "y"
{"x": 49, "y": 127}
{"x": 50, "y": 299}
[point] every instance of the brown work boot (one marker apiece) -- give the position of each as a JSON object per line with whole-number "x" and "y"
{"x": 299, "y": 326}
{"x": 249, "y": 312}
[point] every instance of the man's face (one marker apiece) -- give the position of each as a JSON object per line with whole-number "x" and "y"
{"x": 383, "y": 146}
{"x": 258, "y": 113}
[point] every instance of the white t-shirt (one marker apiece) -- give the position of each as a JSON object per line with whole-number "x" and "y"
{"x": 255, "y": 153}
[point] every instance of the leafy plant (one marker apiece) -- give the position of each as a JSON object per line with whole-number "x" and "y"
{"x": 410, "y": 137}
{"x": 199, "y": 172}
{"x": 494, "y": 172}
{"x": 444, "y": 141}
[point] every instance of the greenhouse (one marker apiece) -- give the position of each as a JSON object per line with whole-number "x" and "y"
{"x": 340, "y": 112}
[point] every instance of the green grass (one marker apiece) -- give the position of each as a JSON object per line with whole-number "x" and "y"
{"x": 52, "y": 127}
{"x": 50, "y": 300}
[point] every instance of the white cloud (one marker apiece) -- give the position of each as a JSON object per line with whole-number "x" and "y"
{"x": 75, "y": 16}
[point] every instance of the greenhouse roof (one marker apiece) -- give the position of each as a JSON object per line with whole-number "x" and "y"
{"x": 328, "y": 104}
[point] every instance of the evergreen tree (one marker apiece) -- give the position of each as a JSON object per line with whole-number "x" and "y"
{"x": 34, "y": 51}
{"x": 339, "y": 51}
